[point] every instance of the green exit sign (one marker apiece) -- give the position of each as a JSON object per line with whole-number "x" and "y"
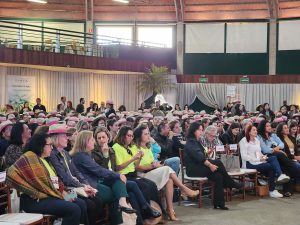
{"x": 244, "y": 80}
{"x": 203, "y": 80}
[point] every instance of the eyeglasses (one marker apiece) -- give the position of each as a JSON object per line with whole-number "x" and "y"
{"x": 130, "y": 135}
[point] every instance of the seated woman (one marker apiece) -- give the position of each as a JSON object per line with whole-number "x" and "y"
{"x": 20, "y": 134}
{"x": 69, "y": 174}
{"x": 109, "y": 182}
{"x": 198, "y": 165}
{"x": 178, "y": 142}
{"x": 163, "y": 176}
{"x": 254, "y": 159}
{"x": 125, "y": 164}
{"x": 40, "y": 195}
{"x": 231, "y": 135}
{"x": 289, "y": 143}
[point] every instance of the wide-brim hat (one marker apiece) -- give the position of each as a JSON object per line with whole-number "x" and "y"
{"x": 4, "y": 124}
{"x": 110, "y": 102}
{"x": 57, "y": 129}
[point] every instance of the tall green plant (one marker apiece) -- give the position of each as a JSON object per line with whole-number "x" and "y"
{"x": 156, "y": 79}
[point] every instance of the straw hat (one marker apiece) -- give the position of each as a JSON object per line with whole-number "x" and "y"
{"x": 4, "y": 124}
{"x": 57, "y": 129}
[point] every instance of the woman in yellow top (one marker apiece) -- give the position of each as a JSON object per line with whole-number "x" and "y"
{"x": 162, "y": 176}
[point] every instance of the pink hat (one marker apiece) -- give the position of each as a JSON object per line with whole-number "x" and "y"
{"x": 5, "y": 124}
{"x": 278, "y": 120}
{"x": 111, "y": 115}
{"x": 147, "y": 110}
{"x": 229, "y": 120}
{"x": 40, "y": 121}
{"x": 52, "y": 120}
{"x": 41, "y": 115}
{"x": 71, "y": 123}
{"x": 2, "y": 119}
{"x": 121, "y": 121}
{"x": 109, "y": 102}
{"x": 73, "y": 118}
{"x": 57, "y": 129}
{"x": 197, "y": 118}
{"x": 33, "y": 120}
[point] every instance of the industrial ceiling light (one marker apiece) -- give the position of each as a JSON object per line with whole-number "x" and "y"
{"x": 38, "y": 1}
{"x": 122, "y": 1}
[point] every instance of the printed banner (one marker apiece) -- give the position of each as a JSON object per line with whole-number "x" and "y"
{"x": 21, "y": 89}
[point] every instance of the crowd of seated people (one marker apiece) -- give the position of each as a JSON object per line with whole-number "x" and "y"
{"x": 81, "y": 160}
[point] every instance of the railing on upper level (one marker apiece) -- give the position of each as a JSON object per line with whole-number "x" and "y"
{"x": 32, "y": 37}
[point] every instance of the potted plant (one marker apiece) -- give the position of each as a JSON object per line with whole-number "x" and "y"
{"x": 157, "y": 81}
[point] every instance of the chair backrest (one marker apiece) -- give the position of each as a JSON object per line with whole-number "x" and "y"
{"x": 181, "y": 156}
{"x": 5, "y": 197}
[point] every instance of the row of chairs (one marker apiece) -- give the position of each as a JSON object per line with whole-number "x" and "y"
{"x": 206, "y": 187}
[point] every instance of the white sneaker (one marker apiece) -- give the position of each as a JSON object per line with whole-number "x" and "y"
{"x": 283, "y": 179}
{"x": 275, "y": 194}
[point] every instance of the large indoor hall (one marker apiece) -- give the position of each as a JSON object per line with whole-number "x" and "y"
{"x": 145, "y": 112}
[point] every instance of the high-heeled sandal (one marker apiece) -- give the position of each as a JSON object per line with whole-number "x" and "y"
{"x": 171, "y": 215}
{"x": 193, "y": 195}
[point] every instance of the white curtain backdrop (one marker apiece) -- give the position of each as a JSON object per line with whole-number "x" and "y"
{"x": 91, "y": 86}
{"x": 121, "y": 89}
{"x": 250, "y": 95}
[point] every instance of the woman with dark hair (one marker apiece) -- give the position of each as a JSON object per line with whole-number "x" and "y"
{"x": 162, "y": 176}
{"x": 41, "y": 194}
{"x": 271, "y": 145}
{"x": 69, "y": 107}
{"x": 20, "y": 134}
{"x": 104, "y": 156}
{"x": 228, "y": 107}
{"x": 186, "y": 107}
{"x": 178, "y": 142}
{"x": 268, "y": 112}
{"x": 231, "y": 135}
{"x": 25, "y": 108}
{"x": 177, "y": 107}
{"x": 293, "y": 128}
{"x": 185, "y": 124}
{"x": 122, "y": 108}
{"x": 95, "y": 107}
{"x": 200, "y": 166}
{"x": 289, "y": 143}
{"x": 126, "y": 161}
{"x": 113, "y": 128}
{"x": 253, "y": 158}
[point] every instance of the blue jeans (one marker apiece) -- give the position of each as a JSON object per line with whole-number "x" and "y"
{"x": 275, "y": 164}
{"x": 268, "y": 169}
{"x": 174, "y": 163}
{"x": 297, "y": 164}
{"x": 68, "y": 211}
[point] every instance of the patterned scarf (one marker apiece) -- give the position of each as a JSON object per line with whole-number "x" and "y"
{"x": 28, "y": 175}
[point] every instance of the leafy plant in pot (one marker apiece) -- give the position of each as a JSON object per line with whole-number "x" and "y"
{"x": 156, "y": 80}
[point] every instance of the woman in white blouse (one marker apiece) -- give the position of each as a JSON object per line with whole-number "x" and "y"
{"x": 253, "y": 158}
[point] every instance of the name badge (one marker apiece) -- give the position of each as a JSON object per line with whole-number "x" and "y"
{"x": 55, "y": 182}
{"x": 220, "y": 148}
{"x": 233, "y": 147}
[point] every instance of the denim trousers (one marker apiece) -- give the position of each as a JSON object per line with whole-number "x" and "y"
{"x": 174, "y": 163}
{"x": 68, "y": 211}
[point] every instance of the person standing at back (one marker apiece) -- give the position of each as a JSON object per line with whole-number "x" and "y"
{"x": 80, "y": 106}
{"x": 39, "y": 106}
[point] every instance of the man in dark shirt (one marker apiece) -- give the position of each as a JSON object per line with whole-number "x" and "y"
{"x": 164, "y": 140}
{"x": 39, "y": 106}
{"x": 80, "y": 106}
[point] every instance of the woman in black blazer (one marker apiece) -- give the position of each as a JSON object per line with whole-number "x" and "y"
{"x": 198, "y": 165}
